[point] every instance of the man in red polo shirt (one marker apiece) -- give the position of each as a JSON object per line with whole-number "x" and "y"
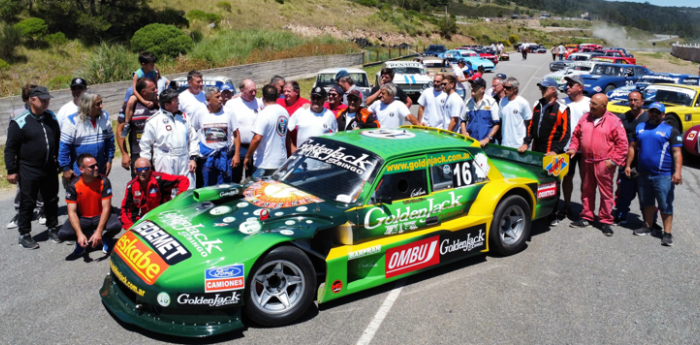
{"x": 90, "y": 217}
{"x": 148, "y": 190}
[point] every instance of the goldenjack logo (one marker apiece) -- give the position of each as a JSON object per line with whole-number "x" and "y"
{"x": 190, "y": 232}
{"x": 454, "y": 245}
{"x": 410, "y": 215}
{"x": 337, "y": 157}
{"x": 209, "y": 300}
{"x": 411, "y": 257}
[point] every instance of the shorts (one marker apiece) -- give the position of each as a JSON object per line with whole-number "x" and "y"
{"x": 656, "y": 188}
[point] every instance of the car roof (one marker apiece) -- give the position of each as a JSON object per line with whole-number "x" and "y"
{"x": 338, "y": 69}
{"x": 680, "y": 86}
{"x": 425, "y": 139}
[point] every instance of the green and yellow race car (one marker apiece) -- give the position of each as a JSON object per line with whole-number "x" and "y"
{"x": 346, "y": 212}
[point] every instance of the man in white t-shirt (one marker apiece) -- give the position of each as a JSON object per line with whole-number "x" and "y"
{"x": 500, "y": 48}
{"x": 515, "y": 114}
{"x": 314, "y": 120}
{"x": 454, "y": 105}
{"x": 77, "y": 87}
{"x": 561, "y": 50}
{"x": 388, "y": 111}
{"x": 493, "y": 47}
{"x": 462, "y": 83}
{"x": 579, "y": 105}
{"x": 267, "y": 148}
{"x": 431, "y": 104}
{"x": 219, "y": 141}
{"x": 245, "y": 110}
{"x": 193, "y": 98}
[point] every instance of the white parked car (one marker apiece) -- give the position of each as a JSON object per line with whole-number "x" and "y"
{"x": 410, "y": 76}
{"x": 577, "y": 67}
{"x": 326, "y": 79}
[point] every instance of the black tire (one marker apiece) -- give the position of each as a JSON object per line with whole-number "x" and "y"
{"x": 266, "y": 265}
{"x": 608, "y": 89}
{"x": 673, "y": 120}
{"x": 499, "y": 242}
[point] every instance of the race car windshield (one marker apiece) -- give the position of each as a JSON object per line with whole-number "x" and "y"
{"x": 329, "y": 169}
{"x": 328, "y": 79}
{"x": 657, "y": 80}
{"x": 682, "y": 98}
{"x": 615, "y": 71}
{"x": 408, "y": 70}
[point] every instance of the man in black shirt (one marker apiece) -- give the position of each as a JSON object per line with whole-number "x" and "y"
{"x": 31, "y": 151}
{"x": 627, "y": 186}
{"x": 387, "y": 75}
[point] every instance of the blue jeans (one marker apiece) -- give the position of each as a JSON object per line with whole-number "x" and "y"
{"x": 656, "y": 189}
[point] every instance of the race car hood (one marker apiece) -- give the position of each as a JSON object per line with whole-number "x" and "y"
{"x": 227, "y": 226}
{"x": 412, "y": 79}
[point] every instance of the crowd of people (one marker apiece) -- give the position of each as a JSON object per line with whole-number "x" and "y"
{"x": 174, "y": 141}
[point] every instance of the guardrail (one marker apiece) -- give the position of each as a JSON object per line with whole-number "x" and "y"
{"x": 689, "y": 52}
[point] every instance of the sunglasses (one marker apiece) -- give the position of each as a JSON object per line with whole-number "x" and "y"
{"x": 444, "y": 84}
{"x": 508, "y": 87}
{"x": 143, "y": 169}
{"x": 91, "y": 167}
{"x": 333, "y": 95}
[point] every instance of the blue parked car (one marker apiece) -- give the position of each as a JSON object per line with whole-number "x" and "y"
{"x": 435, "y": 50}
{"x": 470, "y": 57}
{"x": 621, "y": 93}
{"x": 606, "y": 77}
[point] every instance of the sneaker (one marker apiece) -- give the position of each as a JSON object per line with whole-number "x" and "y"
{"x": 107, "y": 244}
{"x": 554, "y": 221}
{"x": 643, "y": 231}
{"x": 667, "y": 240}
{"x": 581, "y": 223}
{"x": 77, "y": 252}
{"x": 41, "y": 218}
{"x": 607, "y": 230}
{"x": 564, "y": 212}
{"x": 657, "y": 227}
{"x": 28, "y": 242}
{"x": 620, "y": 221}
{"x": 13, "y": 223}
{"x": 53, "y": 235}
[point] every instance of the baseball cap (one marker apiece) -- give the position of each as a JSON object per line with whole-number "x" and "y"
{"x": 502, "y": 76}
{"x": 339, "y": 90}
{"x": 341, "y": 73}
{"x": 658, "y": 106}
{"x": 319, "y": 91}
{"x": 478, "y": 82}
{"x": 78, "y": 82}
{"x": 226, "y": 87}
{"x": 355, "y": 93}
{"x": 575, "y": 79}
{"x": 40, "y": 92}
{"x": 547, "y": 83}
{"x": 461, "y": 61}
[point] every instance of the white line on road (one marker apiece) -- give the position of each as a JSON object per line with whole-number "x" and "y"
{"x": 373, "y": 326}
{"x": 533, "y": 76}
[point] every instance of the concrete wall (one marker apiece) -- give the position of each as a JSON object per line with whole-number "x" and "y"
{"x": 113, "y": 93}
{"x": 686, "y": 52}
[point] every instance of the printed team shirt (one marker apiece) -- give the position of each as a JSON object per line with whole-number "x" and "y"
{"x": 481, "y": 117}
{"x": 89, "y": 196}
{"x": 271, "y": 124}
{"x": 513, "y": 114}
{"x": 454, "y": 107}
{"x": 138, "y": 123}
{"x": 389, "y": 115}
{"x": 245, "y": 114}
{"x": 309, "y": 124}
{"x": 655, "y": 144}
{"x": 433, "y": 103}
{"x": 578, "y": 109}
{"x": 215, "y": 130}
{"x": 67, "y": 109}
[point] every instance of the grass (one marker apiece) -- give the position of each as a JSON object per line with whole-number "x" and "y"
{"x": 664, "y": 62}
{"x": 4, "y": 184}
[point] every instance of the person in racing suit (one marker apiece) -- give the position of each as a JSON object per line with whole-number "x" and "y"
{"x": 355, "y": 116}
{"x": 169, "y": 141}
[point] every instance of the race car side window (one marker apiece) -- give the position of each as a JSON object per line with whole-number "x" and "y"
{"x": 402, "y": 185}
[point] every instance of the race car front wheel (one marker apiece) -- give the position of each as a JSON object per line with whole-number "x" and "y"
{"x": 511, "y": 225}
{"x": 281, "y": 287}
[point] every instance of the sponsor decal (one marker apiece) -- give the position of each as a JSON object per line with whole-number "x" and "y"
{"x": 229, "y": 220}
{"x": 400, "y": 222}
{"x": 167, "y": 247}
{"x": 209, "y": 300}
{"x": 141, "y": 259}
{"x": 418, "y": 192}
{"x": 231, "y": 192}
{"x": 290, "y": 222}
{"x": 546, "y": 190}
{"x": 287, "y": 232}
{"x": 556, "y": 165}
{"x": 219, "y": 210}
{"x": 692, "y": 134}
{"x": 190, "y": 232}
{"x": 273, "y": 194}
{"x": 337, "y": 286}
{"x": 250, "y": 226}
{"x": 365, "y": 252}
{"x": 225, "y": 278}
{"x": 220, "y": 224}
{"x": 163, "y": 299}
{"x": 337, "y": 157}
{"x": 388, "y": 133}
{"x": 457, "y": 244}
{"x": 242, "y": 204}
{"x": 421, "y": 163}
{"x": 223, "y": 186}
{"x": 411, "y": 257}
{"x": 125, "y": 281}
{"x": 483, "y": 162}
{"x": 302, "y": 209}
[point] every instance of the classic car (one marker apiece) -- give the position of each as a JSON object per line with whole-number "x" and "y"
{"x": 681, "y": 102}
{"x": 576, "y": 67}
{"x": 470, "y": 57}
{"x": 326, "y": 79}
{"x": 434, "y": 65}
{"x": 209, "y": 81}
{"x": 411, "y": 76}
{"x": 345, "y": 213}
{"x": 488, "y": 54}
{"x": 621, "y": 93}
{"x": 606, "y": 77}
{"x": 437, "y": 50}
{"x": 562, "y": 64}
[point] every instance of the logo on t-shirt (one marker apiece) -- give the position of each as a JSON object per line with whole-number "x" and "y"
{"x": 282, "y": 126}
{"x": 515, "y": 111}
{"x": 391, "y": 114}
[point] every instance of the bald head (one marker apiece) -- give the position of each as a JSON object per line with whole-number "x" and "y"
{"x": 248, "y": 90}
{"x": 145, "y": 174}
{"x": 599, "y": 105}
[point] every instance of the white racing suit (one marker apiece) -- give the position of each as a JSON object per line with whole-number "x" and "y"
{"x": 169, "y": 141}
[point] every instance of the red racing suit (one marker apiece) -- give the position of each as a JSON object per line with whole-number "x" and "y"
{"x": 159, "y": 189}
{"x": 597, "y": 143}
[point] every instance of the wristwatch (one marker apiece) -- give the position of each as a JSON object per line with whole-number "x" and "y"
{"x": 490, "y": 138}
{"x": 193, "y": 158}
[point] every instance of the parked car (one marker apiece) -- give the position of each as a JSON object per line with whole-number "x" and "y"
{"x": 326, "y": 78}
{"x": 606, "y": 77}
{"x": 621, "y": 93}
{"x": 209, "y": 81}
{"x": 471, "y": 57}
{"x": 618, "y": 57}
{"x": 411, "y": 76}
{"x": 437, "y": 50}
{"x": 434, "y": 65}
{"x": 575, "y": 68}
{"x": 488, "y": 54}
{"x": 562, "y": 64}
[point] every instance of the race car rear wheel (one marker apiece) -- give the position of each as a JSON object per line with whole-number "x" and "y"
{"x": 608, "y": 89}
{"x": 281, "y": 287}
{"x": 511, "y": 225}
{"x": 673, "y": 121}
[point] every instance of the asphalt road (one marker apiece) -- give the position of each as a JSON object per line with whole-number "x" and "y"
{"x": 570, "y": 286}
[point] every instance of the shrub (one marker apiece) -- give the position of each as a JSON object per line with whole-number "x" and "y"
{"x": 203, "y": 16}
{"x": 172, "y": 17}
{"x": 10, "y": 39}
{"x": 513, "y": 39}
{"x": 33, "y": 28}
{"x": 224, "y": 6}
{"x": 281, "y": 2}
{"x": 4, "y": 66}
{"x": 110, "y": 62}
{"x": 60, "y": 82}
{"x": 58, "y": 39}
{"x": 196, "y": 35}
{"x": 369, "y": 3}
{"x": 161, "y": 40}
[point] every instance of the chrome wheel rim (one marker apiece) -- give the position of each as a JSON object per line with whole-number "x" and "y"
{"x": 512, "y": 225}
{"x": 278, "y": 286}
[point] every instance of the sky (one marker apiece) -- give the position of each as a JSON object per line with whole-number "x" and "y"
{"x": 677, "y": 3}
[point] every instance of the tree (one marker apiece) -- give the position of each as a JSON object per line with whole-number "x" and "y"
{"x": 161, "y": 40}
{"x": 447, "y": 26}
{"x": 33, "y": 28}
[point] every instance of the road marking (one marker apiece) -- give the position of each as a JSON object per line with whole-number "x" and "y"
{"x": 533, "y": 76}
{"x": 373, "y": 326}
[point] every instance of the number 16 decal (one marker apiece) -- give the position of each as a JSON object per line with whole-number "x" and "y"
{"x": 463, "y": 174}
